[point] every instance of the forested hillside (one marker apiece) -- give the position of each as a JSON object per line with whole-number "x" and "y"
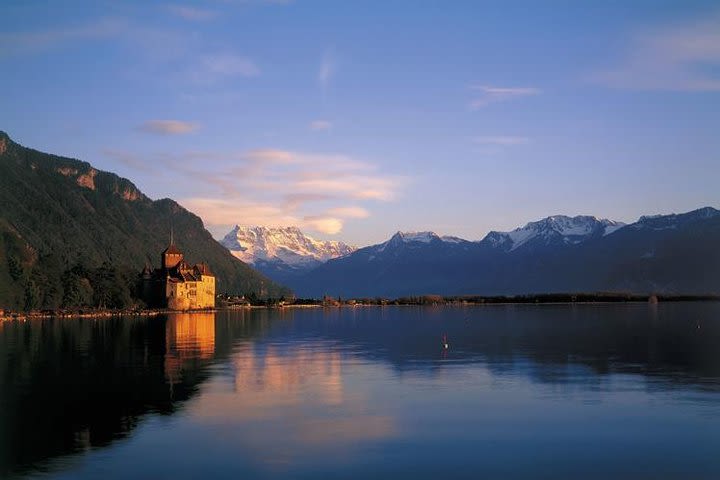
{"x": 71, "y": 235}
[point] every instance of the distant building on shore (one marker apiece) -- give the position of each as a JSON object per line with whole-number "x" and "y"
{"x": 177, "y": 285}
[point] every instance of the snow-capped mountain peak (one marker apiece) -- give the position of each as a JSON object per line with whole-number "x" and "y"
{"x": 415, "y": 239}
{"x": 287, "y": 245}
{"x": 423, "y": 237}
{"x": 554, "y": 229}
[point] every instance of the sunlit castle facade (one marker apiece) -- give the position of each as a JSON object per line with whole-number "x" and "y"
{"x": 177, "y": 285}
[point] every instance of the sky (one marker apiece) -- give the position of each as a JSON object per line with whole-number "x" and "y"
{"x": 356, "y": 119}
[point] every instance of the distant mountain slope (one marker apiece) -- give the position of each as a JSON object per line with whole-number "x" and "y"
{"x": 409, "y": 262}
{"x": 281, "y": 252}
{"x": 58, "y": 212}
{"x": 662, "y": 254}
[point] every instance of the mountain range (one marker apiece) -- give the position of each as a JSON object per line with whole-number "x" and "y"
{"x": 69, "y": 231}
{"x": 675, "y": 253}
{"x": 60, "y": 217}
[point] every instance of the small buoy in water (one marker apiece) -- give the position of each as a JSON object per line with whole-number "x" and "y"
{"x": 445, "y": 343}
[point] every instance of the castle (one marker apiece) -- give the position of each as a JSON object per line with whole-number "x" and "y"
{"x": 177, "y": 285}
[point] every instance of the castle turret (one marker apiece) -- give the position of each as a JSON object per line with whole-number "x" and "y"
{"x": 171, "y": 256}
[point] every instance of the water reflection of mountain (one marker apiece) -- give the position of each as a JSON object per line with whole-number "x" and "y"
{"x": 70, "y": 385}
{"x": 670, "y": 343}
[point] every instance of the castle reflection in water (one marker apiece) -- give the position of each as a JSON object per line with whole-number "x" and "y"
{"x": 188, "y": 337}
{"x": 190, "y": 340}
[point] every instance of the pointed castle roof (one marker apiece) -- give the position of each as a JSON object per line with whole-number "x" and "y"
{"x": 172, "y": 249}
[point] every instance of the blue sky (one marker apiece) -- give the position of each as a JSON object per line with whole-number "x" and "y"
{"x": 354, "y": 120}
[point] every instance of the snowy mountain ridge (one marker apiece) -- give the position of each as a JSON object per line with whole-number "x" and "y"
{"x": 674, "y": 253}
{"x": 409, "y": 238}
{"x": 554, "y": 229}
{"x": 285, "y": 245}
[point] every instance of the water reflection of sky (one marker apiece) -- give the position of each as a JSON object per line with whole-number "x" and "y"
{"x": 592, "y": 392}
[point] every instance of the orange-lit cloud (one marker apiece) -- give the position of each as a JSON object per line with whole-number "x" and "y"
{"x": 349, "y": 212}
{"x": 283, "y": 188}
{"x": 328, "y": 225}
{"x": 168, "y": 127}
{"x": 270, "y": 186}
{"x": 319, "y": 125}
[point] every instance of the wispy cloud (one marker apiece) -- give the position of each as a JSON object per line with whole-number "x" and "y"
{"x": 293, "y": 201}
{"x": 214, "y": 67}
{"x": 130, "y": 160}
{"x": 158, "y": 53}
{"x": 23, "y": 42}
{"x": 680, "y": 57}
{"x": 168, "y": 127}
{"x": 486, "y": 94}
{"x": 192, "y": 13}
{"x": 503, "y": 140}
{"x": 349, "y": 212}
{"x": 319, "y": 125}
{"x": 327, "y": 68}
{"x": 269, "y": 156}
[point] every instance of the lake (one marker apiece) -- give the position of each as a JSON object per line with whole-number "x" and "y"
{"x": 523, "y": 391}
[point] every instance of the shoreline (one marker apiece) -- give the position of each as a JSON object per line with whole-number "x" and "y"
{"x": 487, "y": 301}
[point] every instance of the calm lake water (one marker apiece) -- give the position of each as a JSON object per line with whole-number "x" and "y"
{"x": 597, "y": 391}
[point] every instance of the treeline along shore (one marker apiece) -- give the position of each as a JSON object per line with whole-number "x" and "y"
{"x": 227, "y": 303}
{"x": 601, "y": 297}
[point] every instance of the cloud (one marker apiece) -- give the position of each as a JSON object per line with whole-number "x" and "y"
{"x": 204, "y": 71}
{"x": 680, "y": 57}
{"x": 162, "y": 54}
{"x": 168, "y": 127}
{"x": 327, "y": 68}
{"x": 328, "y": 225}
{"x": 214, "y": 67}
{"x": 269, "y": 155}
{"x": 293, "y": 201}
{"x": 227, "y": 211}
{"x": 230, "y": 211}
{"x": 128, "y": 159}
{"x": 351, "y": 186}
{"x": 319, "y": 125}
{"x": 192, "y": 13}
{"x": 501, "y": 140}
{"x": 349, "y": 212}
{"x": 489, "y": 94}
{"x": 292, "y": 188}
{"x": 23, "y": 42}
{"x": 269, "y": 186}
